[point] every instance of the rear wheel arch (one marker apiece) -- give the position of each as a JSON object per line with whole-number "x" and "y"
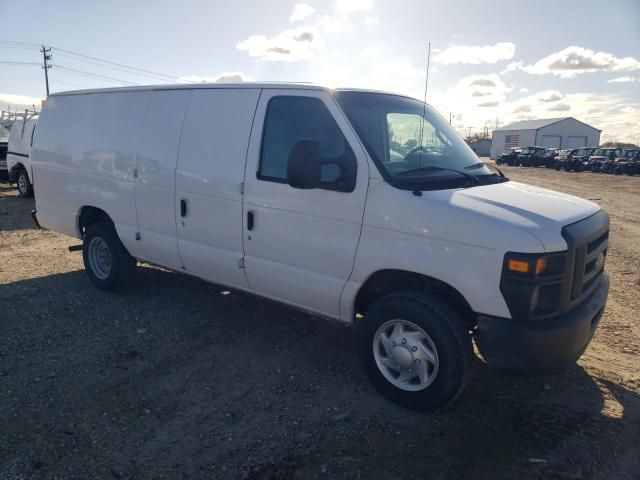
{"x": 89, "y": 215}
{"x": 385, "y": 282}
{"x": 15, "y": 170}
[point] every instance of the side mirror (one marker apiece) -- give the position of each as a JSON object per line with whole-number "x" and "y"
{"x": 308, "y": 169}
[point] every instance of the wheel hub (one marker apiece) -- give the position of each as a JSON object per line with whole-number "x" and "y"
{"x": 100, "y": 258}
{"x": 405, "y": 355}
{"x": 402, "y": 356}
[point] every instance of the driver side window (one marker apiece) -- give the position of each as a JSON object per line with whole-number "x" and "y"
{"x": 290, "y": 119}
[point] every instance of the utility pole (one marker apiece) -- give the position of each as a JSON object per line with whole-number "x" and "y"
{"x": 46, "y": 56}
{"x": 450, "y": 115}
{"x": 496, "y": 123}
{"x": 469, "y": 136}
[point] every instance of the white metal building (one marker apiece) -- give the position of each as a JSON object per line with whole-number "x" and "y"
{"x": 481, "y": 147}
{"x": 566, "y": 132}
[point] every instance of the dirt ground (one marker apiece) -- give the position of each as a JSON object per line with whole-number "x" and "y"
{"x": 181, "y": 379}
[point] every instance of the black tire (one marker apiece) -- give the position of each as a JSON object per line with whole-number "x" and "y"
{"x": 558, "y": 166}
{"x": 445, "y": 329}
{"x": 25, "y": 189}
{"x": 123, "y": 266}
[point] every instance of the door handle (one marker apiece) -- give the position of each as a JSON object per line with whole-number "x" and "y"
{"x": 183, "y": 207}
{"x": 249, "y": 220}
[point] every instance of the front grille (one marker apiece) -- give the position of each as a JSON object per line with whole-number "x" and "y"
{"x": 586, "y": 241}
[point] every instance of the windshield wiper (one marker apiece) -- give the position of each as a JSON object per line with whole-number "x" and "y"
{"x": 480, "y": 164}
{"x": 434, "y": 168}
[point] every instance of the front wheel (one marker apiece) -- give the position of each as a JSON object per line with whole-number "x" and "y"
{"x": 106, "y": 261}
{"x": 25, "y": 189}
{"x": 415, "y": 350}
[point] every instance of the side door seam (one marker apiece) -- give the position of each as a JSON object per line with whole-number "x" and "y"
{"x": 135, "y": 172}
{"x": 244, "y": 189}
{"x": 175, "y": 178}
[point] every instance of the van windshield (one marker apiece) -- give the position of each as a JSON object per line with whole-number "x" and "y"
{"x": 413, "y": 146}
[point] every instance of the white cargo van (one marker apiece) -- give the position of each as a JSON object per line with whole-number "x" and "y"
{"x": 18, "y": 155}
{"x": 355, "y": 205}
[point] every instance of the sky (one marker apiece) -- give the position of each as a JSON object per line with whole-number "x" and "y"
{"x": 492, "y": 62}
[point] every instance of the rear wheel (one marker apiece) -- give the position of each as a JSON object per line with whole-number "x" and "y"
{"x": 25, "y": 189}
{"x": 558, "y": 166}
{"x": 106, "y": 261}
{"x": 415, "y": 350}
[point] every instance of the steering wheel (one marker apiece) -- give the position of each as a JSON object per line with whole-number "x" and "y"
{"x": 412, "y": 159}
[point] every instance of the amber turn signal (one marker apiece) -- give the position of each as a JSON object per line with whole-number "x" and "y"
{"x": 520, "y": 266}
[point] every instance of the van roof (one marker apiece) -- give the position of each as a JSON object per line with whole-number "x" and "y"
{"x": 189, "y": 86}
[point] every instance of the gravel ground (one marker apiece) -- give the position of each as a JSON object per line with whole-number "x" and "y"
{"x": 179, "y": 378}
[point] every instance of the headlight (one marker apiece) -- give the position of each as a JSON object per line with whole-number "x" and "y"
{"x": 532, "y": 284}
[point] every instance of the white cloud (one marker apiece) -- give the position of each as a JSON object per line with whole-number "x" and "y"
{"x": 548, "y": 96}
{"x": 332, "y": 24}
{"x": 475, "y": 54}
{"x": 350, "y": 6}
{"x": 559, "y": 107}
{"x": 512, "y": 67}
{"x": 227, "y": 77}
{"x": 574, "y": 61}
{"x": 524, "y": 90}
{"x": 371, "y": 51}
{"x": 289, "y": 45}
{"x": 373, "y": 21}
{"x": 626, "y": 79}
{"x": 301, "y": 11}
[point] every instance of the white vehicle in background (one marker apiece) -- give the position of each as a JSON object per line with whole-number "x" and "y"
{"x": 359, "y": 206}
{"x": 19, "y": 154}
{"x": 4, "y": 146}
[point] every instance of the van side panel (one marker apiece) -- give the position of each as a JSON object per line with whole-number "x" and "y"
{"x": 211, "y": 163}
{"x": 84, "y": 155}
{"x": 155, "y": 186}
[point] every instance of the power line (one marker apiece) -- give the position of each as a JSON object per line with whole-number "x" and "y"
{"x": 94, "y": 75}
{"x": 8, "y": 62}
{"x": 100, "y": 62}
{"x": 28, "y": 44}
{"x": 58, "y": 53}
{"x": 108, "y": 62}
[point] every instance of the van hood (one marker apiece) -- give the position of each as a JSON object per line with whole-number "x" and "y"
{"x": 507, "y": 216}
{"x": 541, "y": 212}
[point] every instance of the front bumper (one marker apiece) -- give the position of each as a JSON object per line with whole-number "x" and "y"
{"x": 546, "y": 344}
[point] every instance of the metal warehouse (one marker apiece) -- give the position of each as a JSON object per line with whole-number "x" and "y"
{"x": 566, "y": 132}
{"x": 481, "y": 147}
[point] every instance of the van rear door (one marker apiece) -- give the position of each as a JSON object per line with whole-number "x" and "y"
{"x": 211, "y": 162}
{"x": 300, "y": 244}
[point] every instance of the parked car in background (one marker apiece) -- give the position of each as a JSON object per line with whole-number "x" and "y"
{"x": 579, "y": 160}
{"x": 548, "y": 158}
{"x": 600, "y": 156}
{"x": 290, "y": 192}
{"x": 563, "y": 157}
{"x": 509, "y": 157}
{"x": 4, "y": 145}
{"x": 628, "y": 162}
{"x": 530, "y": 156}
{"x": 18, "y": 156}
